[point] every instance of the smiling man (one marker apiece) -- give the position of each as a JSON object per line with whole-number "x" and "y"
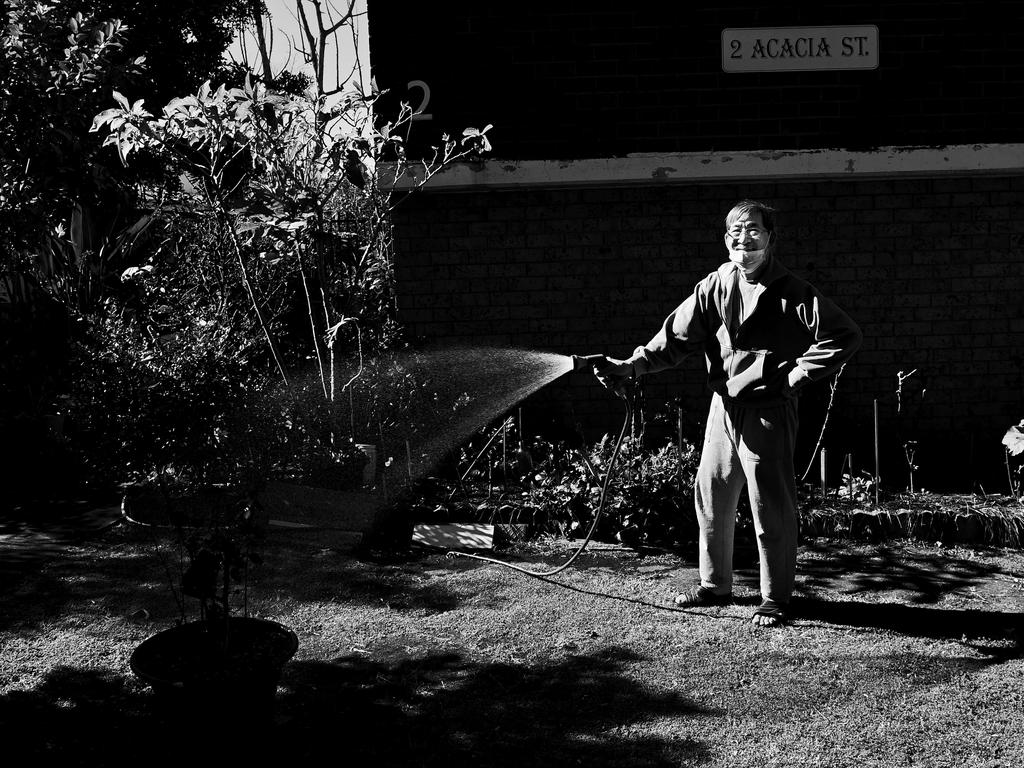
{"x": 765, "y": 333}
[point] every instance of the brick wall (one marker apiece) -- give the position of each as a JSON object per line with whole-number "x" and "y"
{"x": 931, "y": 268}
{"x": 574, "y": 80}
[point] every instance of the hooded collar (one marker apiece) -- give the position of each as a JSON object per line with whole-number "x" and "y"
{"x": 731, "y": 302}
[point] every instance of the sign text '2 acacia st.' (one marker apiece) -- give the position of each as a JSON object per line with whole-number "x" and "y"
{"x": 785, "y": 49}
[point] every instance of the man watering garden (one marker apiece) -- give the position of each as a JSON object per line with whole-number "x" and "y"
{"x": 765, "y": 334}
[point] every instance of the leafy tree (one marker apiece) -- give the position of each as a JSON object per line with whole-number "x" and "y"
{"x": 69, "y": 215}
{"x": 258, "y": 245}
{"x": 289, "y": 180}
{"x": 59, "y": 197}
{"x": 183, "y": 41}
{"x": 293, "y": 195}
{"x": 59, "y": 68}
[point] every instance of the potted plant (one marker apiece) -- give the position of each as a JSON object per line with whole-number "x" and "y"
{"x": 225, "y": 664}
{"x": 179, "y": 424}
{"x": 199, "y": 491}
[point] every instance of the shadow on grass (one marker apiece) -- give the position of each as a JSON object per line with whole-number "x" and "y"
{"x": 79, "y": 717}
{"x": 997, "y": 633}
{"x": 433, "y": 710}
{"x": 927, "y": 576}
{"x": 918, "y": 578}
{"x": 443, "y": 710}
{"x": 129, "y": 569}
{"x": 113, "y": 579}
{"x": 33, "y": 535}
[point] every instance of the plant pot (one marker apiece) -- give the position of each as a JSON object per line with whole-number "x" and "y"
{"x": 195, "y": 675}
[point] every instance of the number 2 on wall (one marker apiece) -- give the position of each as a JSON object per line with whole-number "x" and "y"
{"x": 420, "y": 113}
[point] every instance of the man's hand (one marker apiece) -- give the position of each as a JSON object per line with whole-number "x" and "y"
{"x": 613, "y": 374}
{"x": 796, "y": 379}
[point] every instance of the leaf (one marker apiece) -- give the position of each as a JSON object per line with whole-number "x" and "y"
{"x": 103, "y": 117}
{"x": 248, "y": 226}
{"x": 187, "y": 185}
{"x": 123, "y": 150}
{"x": 472, "y": 134}
{"x": 132, "y": 273}
{"x": 179, "y": 105}
{"x": 122, "y": 101}
{"x": 1014, "y": 439}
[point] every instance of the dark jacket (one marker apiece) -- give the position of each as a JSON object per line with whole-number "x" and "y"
{"x": 790, "y": 325}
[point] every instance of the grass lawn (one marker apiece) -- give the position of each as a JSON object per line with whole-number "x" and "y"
{"x": 902, "y": 655}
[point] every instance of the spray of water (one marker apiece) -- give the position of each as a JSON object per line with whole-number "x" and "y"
{"x": 419, "y": 406}
{"x": 492, "y": 382}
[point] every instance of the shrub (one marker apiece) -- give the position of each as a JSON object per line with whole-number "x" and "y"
{"x": 556, "y": 489}
{"x": 148, "y": 408}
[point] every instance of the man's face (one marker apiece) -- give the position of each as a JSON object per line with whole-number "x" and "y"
{"x": 747, "y": 241}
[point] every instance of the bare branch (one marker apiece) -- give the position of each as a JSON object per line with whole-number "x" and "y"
{"x": 261, "y": 41}
{"x": 345, "y": 19}
{"x": 833, "y": 386}
{"x": 310, "y": 52}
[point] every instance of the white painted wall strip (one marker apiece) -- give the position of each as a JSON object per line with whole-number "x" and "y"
{"x": 692, "y": 167}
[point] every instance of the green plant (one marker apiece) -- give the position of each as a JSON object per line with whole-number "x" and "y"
{"x": 858, "y": 488}
{"x": 909, "y": 446}
{"x": 1013, "y": 444}
{"x": 909, "y": 452}
{"x": 651, "y": 497}
{"x": 218, "y": 559}
{"x": 151, "y": 405}
{"x": 270, "y": 229}
{"x": 290, "y": 194}
{"x": 262, "y": 229}
{"x": 305, "y": 447}
{"x": 180, "y": 409}
{"x": 558, "y": 489}
{"x": 56, "y": 210}
{"x": 57, "y": 68}
{"x": 294, "y": 181}
{"x": 70, "y": 220}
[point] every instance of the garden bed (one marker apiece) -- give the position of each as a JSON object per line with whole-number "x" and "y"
{"x": 927, "y": 517}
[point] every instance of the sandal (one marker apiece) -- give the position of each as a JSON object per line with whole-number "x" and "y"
{"x": 770, "y": 609}
{"x": 701, "y": 597}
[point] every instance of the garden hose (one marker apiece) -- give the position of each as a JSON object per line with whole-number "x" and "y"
{"x": 625, "y": 395}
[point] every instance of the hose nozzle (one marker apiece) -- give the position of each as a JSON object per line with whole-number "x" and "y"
{"x": 584, "y": 362}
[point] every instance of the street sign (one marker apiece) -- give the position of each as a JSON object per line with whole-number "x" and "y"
{"x": 787, "y": 49}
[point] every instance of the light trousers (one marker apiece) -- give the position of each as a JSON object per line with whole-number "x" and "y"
{"x": 752, "y": 447}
